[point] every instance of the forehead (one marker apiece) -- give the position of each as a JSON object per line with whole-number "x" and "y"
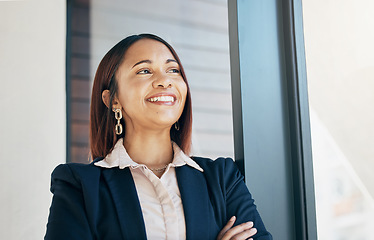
{"x": 147, "y": 49}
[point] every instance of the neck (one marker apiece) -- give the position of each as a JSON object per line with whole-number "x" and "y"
{"x": 153, "y": 149}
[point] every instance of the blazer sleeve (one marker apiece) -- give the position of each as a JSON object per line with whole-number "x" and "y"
{"x": 239, "y": 201}
{"x": 67, "y": 217}
{"x": 229, "y": 195}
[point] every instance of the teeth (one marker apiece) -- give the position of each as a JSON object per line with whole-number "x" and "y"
{"x": 162, "y": 99}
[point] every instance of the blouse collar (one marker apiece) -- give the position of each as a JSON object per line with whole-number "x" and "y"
{"x": 120, "y": 158}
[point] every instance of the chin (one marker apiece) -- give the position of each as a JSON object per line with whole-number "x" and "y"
{"x": 164, "y": 122}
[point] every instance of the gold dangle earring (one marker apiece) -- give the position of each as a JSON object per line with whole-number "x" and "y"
{"x": 118, "y": 116}
{"x": 176, "y": 125}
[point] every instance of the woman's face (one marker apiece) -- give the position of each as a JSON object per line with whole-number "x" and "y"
{"x": 151, "y": 89}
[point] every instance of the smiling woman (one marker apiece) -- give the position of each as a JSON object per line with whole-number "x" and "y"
{"x": 142, "y": 183}
{"x": 139, "y": 70}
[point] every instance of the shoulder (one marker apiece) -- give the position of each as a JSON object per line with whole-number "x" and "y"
{"x": 74, "y": 173}
{"x": 75, "y": 169}
{"x": 220, "y": 164}
{"x": 220, "y": 169}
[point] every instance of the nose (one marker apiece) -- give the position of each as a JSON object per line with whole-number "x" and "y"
{"x": 162, "y": 81}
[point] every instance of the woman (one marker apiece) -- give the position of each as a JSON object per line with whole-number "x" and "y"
{"x": 142, "y": 184}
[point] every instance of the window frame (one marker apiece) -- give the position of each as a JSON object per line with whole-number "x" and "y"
{"x": 283, "y": 186}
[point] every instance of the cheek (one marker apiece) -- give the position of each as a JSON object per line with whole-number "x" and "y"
{"x": 130, "y": 94}
{"x": 183, "y": 90}
{"x": 123, "y": 95}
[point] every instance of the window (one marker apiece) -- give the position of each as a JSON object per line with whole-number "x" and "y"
{"x": 340, "y": 67}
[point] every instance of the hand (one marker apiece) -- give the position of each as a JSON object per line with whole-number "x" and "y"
{"x": 240, "y": 232}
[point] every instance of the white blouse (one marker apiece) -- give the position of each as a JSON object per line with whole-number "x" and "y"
{"x": 159, "y": 198}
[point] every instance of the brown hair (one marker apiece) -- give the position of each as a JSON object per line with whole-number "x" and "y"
{"x": 102, "y": 121}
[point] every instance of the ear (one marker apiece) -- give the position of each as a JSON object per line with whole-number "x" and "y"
{"x": 105, "y": 96}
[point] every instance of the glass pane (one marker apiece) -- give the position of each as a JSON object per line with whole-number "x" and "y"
{"x": 340, "y": 65}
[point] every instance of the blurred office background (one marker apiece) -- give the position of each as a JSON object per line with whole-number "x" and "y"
{"x": 46, "y": 80}
{"x": 198, "y": 30}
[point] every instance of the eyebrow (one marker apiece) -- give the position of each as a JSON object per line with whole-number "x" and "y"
{"x": 171, "y": 60}
{"x": 142, "y": 61}
{"x": 149, "y": 61}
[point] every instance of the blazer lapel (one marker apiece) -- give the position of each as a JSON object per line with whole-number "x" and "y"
{"x": 122, "y": 188}
{"x": 195, "y": 199}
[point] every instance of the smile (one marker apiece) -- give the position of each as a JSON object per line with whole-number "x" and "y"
{"x": 166, "y": 99}
{"x": 161, "y": 99}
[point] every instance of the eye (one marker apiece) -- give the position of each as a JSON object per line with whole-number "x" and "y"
{"x": 144, "y": 71}
{"x": 174, "y": 70}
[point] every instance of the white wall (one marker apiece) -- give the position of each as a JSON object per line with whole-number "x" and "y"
{"x": 32, "y": 107}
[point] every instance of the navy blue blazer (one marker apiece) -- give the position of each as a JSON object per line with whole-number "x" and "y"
{"x": 91, "y": 202}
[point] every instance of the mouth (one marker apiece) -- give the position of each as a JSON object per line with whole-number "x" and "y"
{"x": 163, "y": 99}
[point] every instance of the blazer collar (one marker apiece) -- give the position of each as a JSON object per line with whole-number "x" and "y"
{"x": 194, "y": 194}
{"x": 122, "y": 188}
{"x": 195, "y": 199}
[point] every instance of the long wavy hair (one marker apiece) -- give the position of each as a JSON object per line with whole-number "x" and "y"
{"x": 102, "y": 120}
